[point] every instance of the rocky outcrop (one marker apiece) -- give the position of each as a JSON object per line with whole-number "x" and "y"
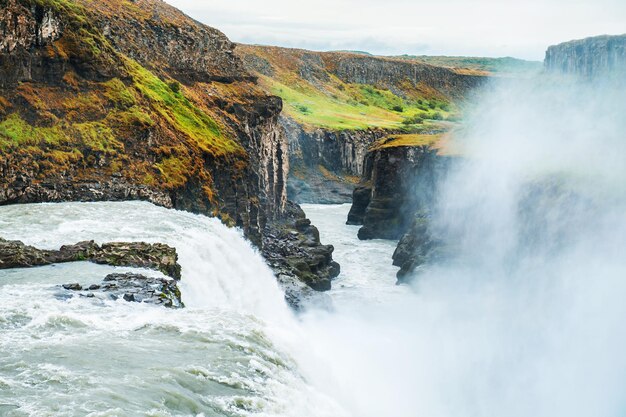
{"x": 129, "y": 286}
{"x": 589, "y": 58}
{"x": 397, "y": 182}
{"x": 157, "y": 256}
{"x": 132, "y": 288}
{"x": 419, "y": 246}
{"x": 326, "y": 164}
{"x": 293, "y": 249}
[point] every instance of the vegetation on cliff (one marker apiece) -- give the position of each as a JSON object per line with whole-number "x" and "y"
{"x": 505, "y": 66}
{"x": 394, "y": 141}
{"x": 317, "y": 94}
{"x": 84, "y": 103}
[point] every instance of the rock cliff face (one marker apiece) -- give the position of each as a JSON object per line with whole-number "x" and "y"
{"x": 326, "y": 164}
{"x": 117, "y": 100}
{"x": 391, "y": 73}
{"x": 397, "y": 183}
{"x": 338, "y": 104}
{"x": 590, "y": 58}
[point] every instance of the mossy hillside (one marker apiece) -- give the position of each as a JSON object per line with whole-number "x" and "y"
{"x": 444, "y": 143}
{"x": 352, "y": 106}
{"x": 323, "y": 100}
{"x": 169, "y": 101}
{"x": 99, "y": 125}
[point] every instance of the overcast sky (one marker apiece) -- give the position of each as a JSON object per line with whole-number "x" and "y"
{"x": 520, "y": 28}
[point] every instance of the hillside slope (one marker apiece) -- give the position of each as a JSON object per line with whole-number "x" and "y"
{"x": 343, "y": 90}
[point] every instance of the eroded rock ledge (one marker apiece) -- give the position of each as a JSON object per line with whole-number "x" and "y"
{"x": 157, "y": 256}
{"x": 131, "y": 287}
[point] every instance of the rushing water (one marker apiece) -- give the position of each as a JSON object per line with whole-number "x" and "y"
{"x": 227, "y": 353}
{"x": 367, "y": 274}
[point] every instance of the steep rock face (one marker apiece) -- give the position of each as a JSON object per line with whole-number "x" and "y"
{"x": 391, "y": 73}
{"x": 326, "y": 164}
{"x": 419, "y": 246}
{"x": 397, "y": 183}
{"x": 590, "y": 58}
{"x": 118, "y": 100}
{"x": 187, "y": 49}
{"x": 22, "y": 28}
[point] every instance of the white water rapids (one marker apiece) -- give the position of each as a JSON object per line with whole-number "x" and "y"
{"x": 527, "y": 320}
{"x": 227, "y": 353}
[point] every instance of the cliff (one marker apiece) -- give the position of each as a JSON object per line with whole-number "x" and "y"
{"x": 400, "y": 178}
{"x": 326, "y": 164}
{"x": 116, "y": 100}
{"x": 337, "y": 104}
{"x": 589, "y": 58}
{"x": 348, "y": 91}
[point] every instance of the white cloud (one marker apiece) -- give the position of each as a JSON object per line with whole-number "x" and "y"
{"x": 443, "y": 27}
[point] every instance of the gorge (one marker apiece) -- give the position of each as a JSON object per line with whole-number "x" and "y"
{"x": 274, "y": 199}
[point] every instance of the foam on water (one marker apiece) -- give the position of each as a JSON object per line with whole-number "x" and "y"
{"x": 227, "y": 353}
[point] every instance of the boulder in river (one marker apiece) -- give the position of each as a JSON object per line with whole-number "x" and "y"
{"x": 133, "y": 288}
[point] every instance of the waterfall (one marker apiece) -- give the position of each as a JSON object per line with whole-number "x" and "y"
{"x": 228, "y": 353}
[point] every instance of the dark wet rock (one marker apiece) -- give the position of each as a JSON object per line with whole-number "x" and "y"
{"x": 293, "y": 250}
{"x": 15, "y": 254}
{"x": 361, "y": 198}
{"x": 397, "y": 183}
{"x": 418, "y": 247}
{"x": 73, "y": 287}
{"x": 157, "y": 256}
{"x": 133, "y": 287}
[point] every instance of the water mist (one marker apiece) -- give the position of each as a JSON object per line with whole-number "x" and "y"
{"x": 527, "y": 317}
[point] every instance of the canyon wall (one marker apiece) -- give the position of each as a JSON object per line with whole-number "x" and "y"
{"x": 326, "y": 164}
{"x": 397, "y": 183}
{"x": 392, "y": 73}
{"x": 593, "y": 57}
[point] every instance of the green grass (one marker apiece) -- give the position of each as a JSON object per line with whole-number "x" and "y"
{"x": 174, "y": 170}
{"x": 349, "y": 106}
{"x": 406, "y": 140}
{"x": 505, "y": 65}
{"x": 16, "y": 132}
{"x": 181, "y": 113}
